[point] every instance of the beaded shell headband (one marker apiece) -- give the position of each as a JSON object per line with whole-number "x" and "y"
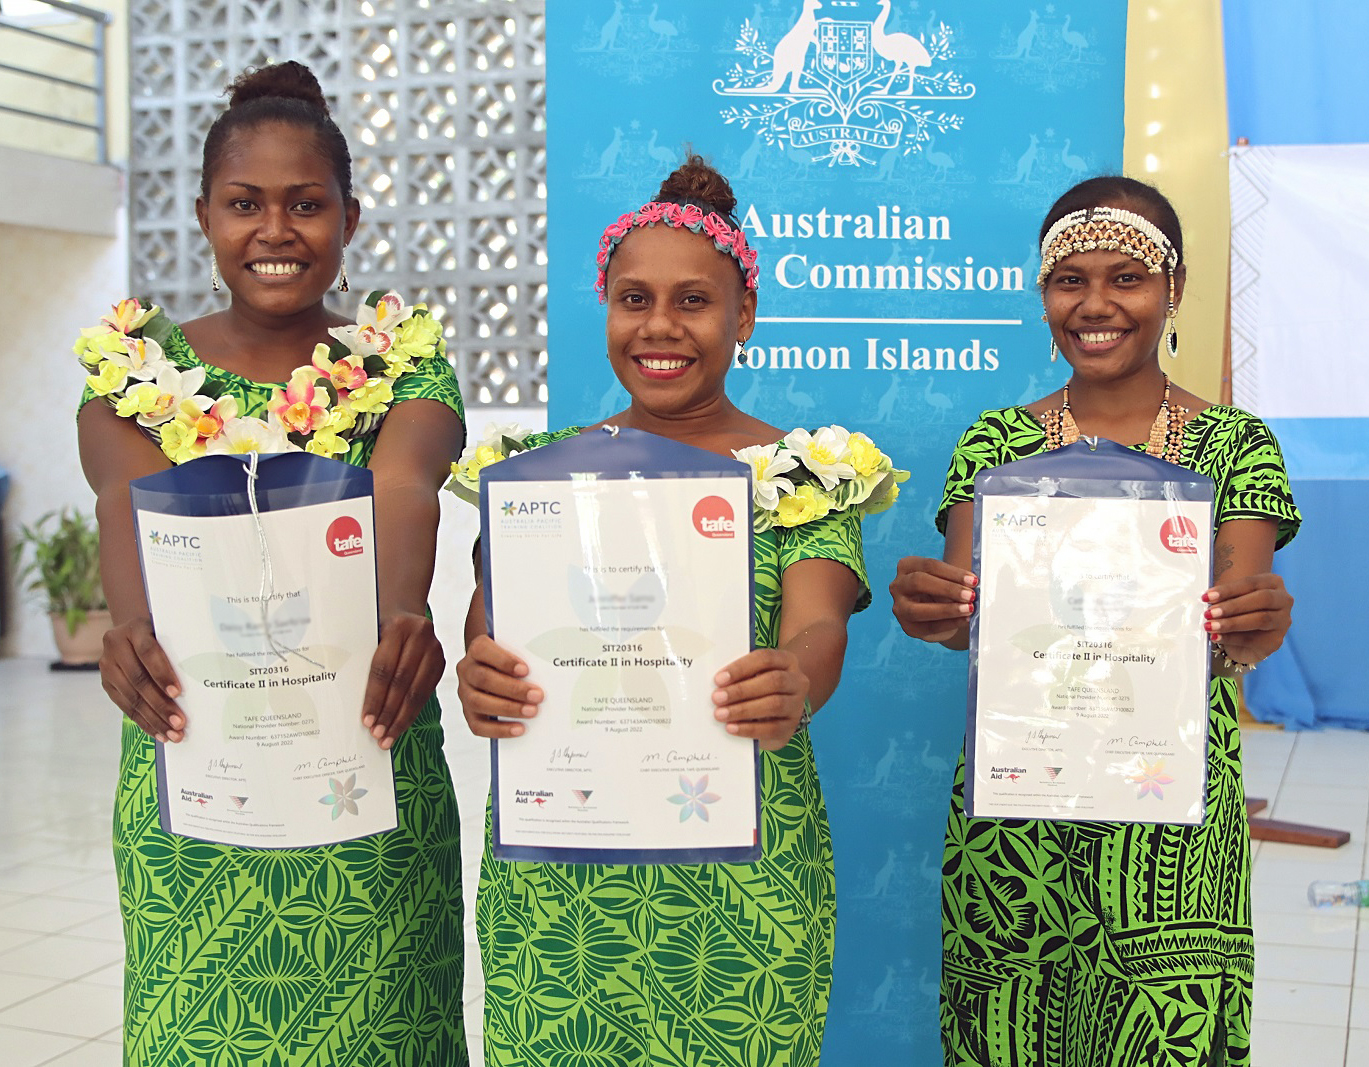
{"x": 726, "y": 237}
{"x": 1110, "y": 228}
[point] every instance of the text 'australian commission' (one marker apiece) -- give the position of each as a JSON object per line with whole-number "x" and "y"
{"x": 796, "y": 270}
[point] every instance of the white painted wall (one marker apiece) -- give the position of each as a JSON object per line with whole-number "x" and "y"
{"x": 54, "y": 284}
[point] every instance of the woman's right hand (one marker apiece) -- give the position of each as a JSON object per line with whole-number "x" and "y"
{"x": 493, "y": 688}
{"x": 138, "y": 678}
{"x": 932, "y": 600}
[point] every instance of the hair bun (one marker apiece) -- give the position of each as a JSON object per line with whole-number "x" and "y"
{"x": 287, "y": 81}
{"x": 696, "y": 180}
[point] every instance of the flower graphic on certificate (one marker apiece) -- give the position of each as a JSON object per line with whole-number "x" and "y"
{"x": 343, "y": 795}
{"x": 1151, "y": 777}
{"x": 694, "y": 798}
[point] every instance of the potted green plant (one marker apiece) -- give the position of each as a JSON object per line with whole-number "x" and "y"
{"x": 59, "y": 558}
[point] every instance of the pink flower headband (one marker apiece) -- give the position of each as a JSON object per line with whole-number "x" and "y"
{"x": 726, "y": 237}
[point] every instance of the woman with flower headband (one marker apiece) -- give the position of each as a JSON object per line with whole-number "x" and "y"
{"x": 1091, "y": 943}
{"x": 338, "y": 954}
{"x": 698, "y": 964}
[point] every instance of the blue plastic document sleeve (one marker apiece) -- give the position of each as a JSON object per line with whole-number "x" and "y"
{"x": 1088, "y": 469}
{"x": 609, "y": 453}
{"x": 217, "y": 486}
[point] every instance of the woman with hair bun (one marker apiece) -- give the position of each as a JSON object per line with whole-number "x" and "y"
{"x": 1093, "y": 944}
{"x": 348, "y": 953}
{"x": 691, "y": 964}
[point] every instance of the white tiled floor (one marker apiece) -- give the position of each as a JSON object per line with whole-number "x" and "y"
{"x": 61, "y": 945}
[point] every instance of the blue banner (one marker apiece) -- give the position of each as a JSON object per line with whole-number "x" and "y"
{"x": 892, "y": 165}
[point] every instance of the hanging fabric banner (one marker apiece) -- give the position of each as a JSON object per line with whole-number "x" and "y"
{"x": 892, "y": 161}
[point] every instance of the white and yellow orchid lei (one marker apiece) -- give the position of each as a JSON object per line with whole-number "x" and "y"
{"x": 800, "y": 479}
{"x": 338, "y": 396}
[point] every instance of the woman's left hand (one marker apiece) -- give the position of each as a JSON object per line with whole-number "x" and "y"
{"x": 404, "y": 673}
{"x": 761, "y": 696}
{"x": 1249, "y": 616}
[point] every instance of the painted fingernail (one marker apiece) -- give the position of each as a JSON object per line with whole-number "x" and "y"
{"x": 967, "y": 594}
{"x": 1213, "y": 613}
{"x": 970, "y": 579}
{"x": 964, "y": 609}
{"x": 1212, "y": 596}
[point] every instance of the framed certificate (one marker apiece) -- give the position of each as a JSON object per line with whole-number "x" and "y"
{"x": 1089, "y": 665}
{"x": 617, "y": 565}
{"x": 261, "y": 581}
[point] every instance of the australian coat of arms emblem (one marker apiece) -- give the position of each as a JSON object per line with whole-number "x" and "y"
{"x": 843, "y": 87}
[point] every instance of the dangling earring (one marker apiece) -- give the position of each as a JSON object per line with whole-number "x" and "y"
{"x": 342, "y": 277}
{"x": 213, "y": 271}
{"x": 1054, "y": 350}
{"x": 1171, "y": 334}
{"x": 741, "y": 351}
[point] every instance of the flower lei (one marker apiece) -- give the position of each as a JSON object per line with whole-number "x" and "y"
{"x": 800, "y": 479}
{"x": 337, "y": 397}
{"x": 726, "y": 238}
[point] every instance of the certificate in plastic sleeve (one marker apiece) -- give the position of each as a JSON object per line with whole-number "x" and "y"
{"x": 617, "y": 565}
{"x": 1089, "y": 663}
{"x": 269, "y": 618}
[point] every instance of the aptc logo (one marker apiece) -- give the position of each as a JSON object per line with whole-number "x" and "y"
{"x": 166, "y": 540}
{"x": 713, "y": 517}
{"x": 531, "y": 508}
{"x": 344, "y": 537}
{"x": 1180, "y": 534}
{"x": 1018, "y": 520}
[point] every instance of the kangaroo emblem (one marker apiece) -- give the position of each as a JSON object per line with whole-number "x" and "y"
{"x": 793, "y": 48}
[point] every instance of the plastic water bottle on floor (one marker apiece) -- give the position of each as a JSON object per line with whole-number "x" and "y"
{"x": 1329, "y": 894}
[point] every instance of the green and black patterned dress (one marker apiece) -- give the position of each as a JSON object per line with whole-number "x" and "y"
{"x": 678, "y": 966}
{"x": 317, "y": 957}
{"x": 1092, "y": 944}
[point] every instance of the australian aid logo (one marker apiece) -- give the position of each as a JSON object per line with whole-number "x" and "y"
{"x": 713, "y": 517}
{"x": 1180, "y": 534}
{"x": 344, "y": 537}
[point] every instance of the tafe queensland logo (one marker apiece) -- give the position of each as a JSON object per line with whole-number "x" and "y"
{"x": 344, "y": 537}
{"x": 713, "y": 517}
{"x": 1179, "y": 534}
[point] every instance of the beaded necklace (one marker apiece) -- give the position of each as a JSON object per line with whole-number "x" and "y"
{"x": 1166, "y": 432}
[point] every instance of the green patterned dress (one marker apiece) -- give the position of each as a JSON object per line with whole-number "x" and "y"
{"x": 675, "y": 966}
{"x": 318, "y": 957}
{"x": 1092, "y": 944}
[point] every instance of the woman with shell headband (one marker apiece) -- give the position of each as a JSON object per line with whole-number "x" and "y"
{"x": 1089, "y": 944}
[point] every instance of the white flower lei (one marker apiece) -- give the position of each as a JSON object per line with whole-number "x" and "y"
{"x": 804, "y": 477}
{"x": 337, "y": 397}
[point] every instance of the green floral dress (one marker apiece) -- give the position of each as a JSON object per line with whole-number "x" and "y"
{"x": 667, "y": 966}
{"x": 1092, "y": 944}
{"x": 317, "y": 957}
